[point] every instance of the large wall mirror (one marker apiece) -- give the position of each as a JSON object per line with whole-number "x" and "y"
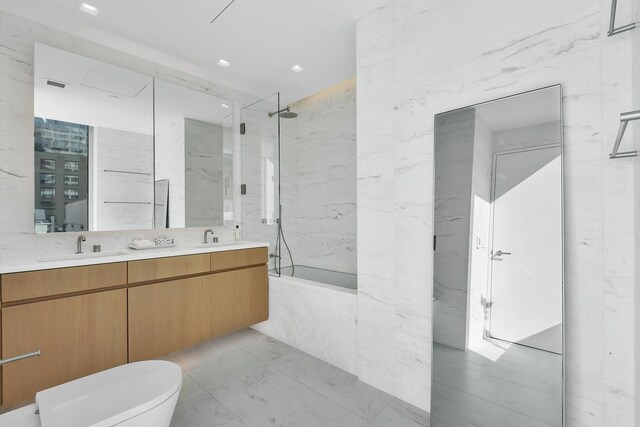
{"x": 194, "y": 158}
{"x": 116, "y": 150}
{"x": 498, "y": 263}
{"x": 93, "y": 144}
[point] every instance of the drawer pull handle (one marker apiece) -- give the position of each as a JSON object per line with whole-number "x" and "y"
{"x": 22, "y": 356}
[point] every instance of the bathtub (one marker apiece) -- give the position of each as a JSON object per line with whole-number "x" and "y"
{"x": 315, "y": 311}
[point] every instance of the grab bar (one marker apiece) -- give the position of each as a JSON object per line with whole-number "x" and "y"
{"x": 21, "y": 357}
{"x": 625, "y": 118}
{"x": 612, "y": 22}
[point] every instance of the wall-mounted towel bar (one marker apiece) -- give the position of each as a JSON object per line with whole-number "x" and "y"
{"x": 21, "y": 357}
{"x": 625, "y": 118}
{"x": 612, "y": 22}
{"x": 127, "y": 203}
{"x": 133, "y": 173}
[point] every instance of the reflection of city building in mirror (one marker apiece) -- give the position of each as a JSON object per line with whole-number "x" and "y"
{"x": 93, "y": 144}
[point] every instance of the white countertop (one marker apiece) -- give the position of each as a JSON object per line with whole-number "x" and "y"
{"x": 20, "y": 264}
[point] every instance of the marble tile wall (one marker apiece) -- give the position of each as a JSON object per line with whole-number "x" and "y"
{"x": 404, "y": 78}
{"x": 204, "y": 199}
{"x": 325, "y": 170}
{"x": 452, "y": 220}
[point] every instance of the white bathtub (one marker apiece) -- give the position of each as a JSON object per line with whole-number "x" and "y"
{"x": 315, "y": 311}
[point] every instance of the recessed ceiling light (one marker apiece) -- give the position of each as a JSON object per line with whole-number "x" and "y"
{"x": 224, "y": 63}
{"x": 224, "y": 106}
{"x": 296, "y": 68}
{"x": 91, "y": 10}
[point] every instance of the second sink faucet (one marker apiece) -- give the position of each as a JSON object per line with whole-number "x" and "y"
{"x": 81, "y": 238}
{"x": 206, "y": 232}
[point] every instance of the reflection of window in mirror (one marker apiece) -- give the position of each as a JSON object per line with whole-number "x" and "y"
{"x": 268, "y": 204}
{"x": 59, "y": 143}
{"x": 47, "y": 178}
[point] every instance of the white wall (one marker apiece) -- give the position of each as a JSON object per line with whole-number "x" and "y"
{"x": 416, "y": 58}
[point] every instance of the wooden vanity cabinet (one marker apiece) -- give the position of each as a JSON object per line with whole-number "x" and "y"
{"x": 91, "y": 318}
{"x": 168, "y": 316}
{"x": 77, "y": 336}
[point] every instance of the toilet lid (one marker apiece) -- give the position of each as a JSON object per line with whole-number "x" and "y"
{"x": 109, "y": 397}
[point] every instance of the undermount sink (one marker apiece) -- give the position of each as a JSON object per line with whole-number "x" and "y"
{"x": 214, "y": 245}
{"x": 87, "y": 255}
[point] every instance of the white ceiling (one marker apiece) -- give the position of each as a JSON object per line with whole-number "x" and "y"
{"x": 527, "y": 109}
{"x": 262, "y": 39}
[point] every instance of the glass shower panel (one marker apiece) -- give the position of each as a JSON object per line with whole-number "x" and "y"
{"x": 261, "y": 175}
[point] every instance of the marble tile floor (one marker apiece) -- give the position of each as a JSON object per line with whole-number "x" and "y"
{"x": 250, "y": 379}
{"x": 504, "y": 386}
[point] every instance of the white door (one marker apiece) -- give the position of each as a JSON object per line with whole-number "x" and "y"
{"x": 526, "y": 260}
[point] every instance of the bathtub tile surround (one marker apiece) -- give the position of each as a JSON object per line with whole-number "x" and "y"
{"x": 317, "y": 319}
{"x": 404, "y": 79}
{"x": 318, "y": 196}
{"x": 325, "y": 171}
{"x": 287, "y": 387}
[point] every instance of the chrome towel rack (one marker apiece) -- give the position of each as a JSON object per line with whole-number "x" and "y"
{"x": 612, "y": 22}
{"x": 625, "y": 118}
{"x": 22, "y": 356}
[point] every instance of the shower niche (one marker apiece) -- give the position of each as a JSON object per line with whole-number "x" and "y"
{"x": 498, "y": 343}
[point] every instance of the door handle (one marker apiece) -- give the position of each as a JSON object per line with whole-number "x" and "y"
{"x": 500, "y": 253}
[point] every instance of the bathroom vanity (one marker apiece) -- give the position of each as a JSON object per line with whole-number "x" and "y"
{"x": 106, "y": 311}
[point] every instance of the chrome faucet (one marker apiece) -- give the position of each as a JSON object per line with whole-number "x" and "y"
{"x": 81, "y": 238}
{"x": 206, "y": 232}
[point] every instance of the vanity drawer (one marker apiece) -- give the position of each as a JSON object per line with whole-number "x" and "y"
{"x": 162, "y": 268}
{"x": 60, "y": 281}
{"x": 240, "y": 258}
{"x": 77, "y": 336}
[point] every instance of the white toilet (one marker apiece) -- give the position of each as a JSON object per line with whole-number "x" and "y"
{"x": 140, "y": 394}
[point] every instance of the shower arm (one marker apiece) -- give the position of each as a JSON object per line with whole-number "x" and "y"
{"x": 612, "y": 22}
{"x": 625, "y": 118}
{"x": 286, "y": 109}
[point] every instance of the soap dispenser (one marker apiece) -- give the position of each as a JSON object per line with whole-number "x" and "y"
{"x": 237, "y": 233}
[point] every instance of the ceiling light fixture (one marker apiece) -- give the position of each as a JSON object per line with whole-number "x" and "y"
{"x": 296, "y": 68}
{"x": 91, "y": 10}
{"x": 224, "y": 106}
{"x": 224, "y": 63}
